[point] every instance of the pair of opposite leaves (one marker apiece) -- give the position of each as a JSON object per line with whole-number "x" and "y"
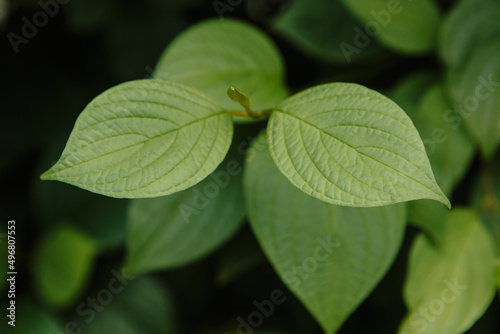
{"x": 341, "y": 143}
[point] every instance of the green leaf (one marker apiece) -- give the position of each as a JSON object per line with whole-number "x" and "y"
{"x": 215, "y": 54}
{"x": 405, "y": 26}
{"x": 428, "y": 216}
{"x": 63, "y": 264}
{"x": 144, "y": 138}
{"x": 144, "y": 306}
{"x": 449, "y": 150}
{"x": 309, "y": 24}
{"x": 475, "y": 88}
{"x": 31, "y": 319}
{"x": 408, "y": 92}
{"x": 470, "y": 24}
{"x": 348, "y": 145}
{"x": 331, "y": 257}
{"x": 170, "y": 231}
{"x": 449, "y": 287}
{"x": 469, "y": 44}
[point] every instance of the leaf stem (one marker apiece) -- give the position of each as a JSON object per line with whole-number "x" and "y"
{"x": 251, "y": 114}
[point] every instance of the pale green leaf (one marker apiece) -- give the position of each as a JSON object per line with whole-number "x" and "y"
{"x": 144, "y": 138}
{"x": 63, "y": 263}
{"x": 330, "y": 257}
{"x": 405, "y": 26}
{"x": 348, "y": 145}
{"x": 326, "y": 30}
{"x": 216, "y": 54}
{"x": 170, "y": 231}
{"x": 448, "y": 287}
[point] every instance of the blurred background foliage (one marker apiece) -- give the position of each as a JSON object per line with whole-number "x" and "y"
{"x": 70, "y": 243}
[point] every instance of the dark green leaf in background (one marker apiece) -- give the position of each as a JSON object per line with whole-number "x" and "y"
{"x": 449, "y": 150}
{"x": 325, "y": 30}
{"x": 475, "y": 87}
{"x": 470, "y": 47}
{"x": 166, "y": 232}
{"x": 63, "y": 264}
{"x": 143, "y": 307}
{"x": 406, "y": 26}
{"x": 32, "y": 319}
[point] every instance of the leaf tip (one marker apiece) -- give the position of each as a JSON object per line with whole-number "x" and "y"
{"x": 443, "y": 199}
{"x": 47, "y": 176}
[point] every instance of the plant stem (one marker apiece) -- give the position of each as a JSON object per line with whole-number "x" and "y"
{"x": 250, "y": 113}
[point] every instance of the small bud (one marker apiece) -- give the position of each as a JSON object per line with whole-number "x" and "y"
{"x": 239, "y": 97}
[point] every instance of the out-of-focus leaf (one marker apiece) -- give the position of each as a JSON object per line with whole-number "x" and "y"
{"x": 405, "y": 26}
{"x": 449, "y": 286}
{"x": 475, "y": 86}
{"x": 470, "y": 24}
{"x": 174, "y": 230}
{"x": 408, "y": 92}
{"x": 63, "y": 263}
{"x": 470, "y": 46}
{"x": 143, "y": 307}
{"x": 31, "y": 319}
{"x": 449, "y": 150}
{"x": 325, "y": 30}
